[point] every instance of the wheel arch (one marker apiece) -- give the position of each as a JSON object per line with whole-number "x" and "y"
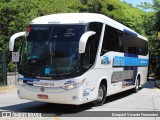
{"x": 104, "y": 81}
{"x": 103, "y": 85}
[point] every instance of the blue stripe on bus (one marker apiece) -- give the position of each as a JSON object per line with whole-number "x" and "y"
{"x": 130, "y": 32}
{"x": 28, "y": 79}
{"x": 129, "y": 61}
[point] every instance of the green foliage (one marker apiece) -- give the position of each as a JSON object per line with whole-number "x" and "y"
{"x": 156, "y": 28}
{"x": 11, "y": 66}
{"x": 92, "y": 6}
{"x": 145, "y": 6}
{"x": 156, "y": 5}
{"x": 157, "y": 21}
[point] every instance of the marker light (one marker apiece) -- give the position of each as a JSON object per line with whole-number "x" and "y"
{"x": 28, "y": 29}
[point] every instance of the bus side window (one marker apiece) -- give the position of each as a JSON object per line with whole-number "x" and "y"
{"x": 106, "y": 41}
{"x": 111, "y": 40}
{"x": 134, "y": 45}
{"x": 132, "y": 50}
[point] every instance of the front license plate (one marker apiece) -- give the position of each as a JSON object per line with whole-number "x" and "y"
{"x": 41, "y": 96}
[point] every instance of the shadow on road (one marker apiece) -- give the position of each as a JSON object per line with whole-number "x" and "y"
{"x": 40, "y": 107}
{"x": 59, "y": 109}
{"x": 149, "y": 84}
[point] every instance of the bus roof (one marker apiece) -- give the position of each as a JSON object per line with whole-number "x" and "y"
{"x": 80, "y": 18}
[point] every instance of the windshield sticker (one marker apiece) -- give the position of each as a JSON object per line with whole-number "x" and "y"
{"x": 105, "y": 60}
{"x": 69, "y": 33}
{"x": 47, "y": 71}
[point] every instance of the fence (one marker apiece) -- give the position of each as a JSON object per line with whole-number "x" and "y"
{"x": 11, "y": 78}
{"x": 3, "y": 69}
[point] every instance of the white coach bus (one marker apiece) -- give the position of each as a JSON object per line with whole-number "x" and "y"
{"x": 75, "y": 58}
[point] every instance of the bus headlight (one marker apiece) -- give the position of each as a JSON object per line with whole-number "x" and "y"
{"x": 20, "y": 82}
{"x": 73, "y": 85}
{"x": 20, "y": 79}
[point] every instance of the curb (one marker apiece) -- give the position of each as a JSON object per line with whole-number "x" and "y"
{"x": 7, "y": 87}
{"x": 156, "y": 84}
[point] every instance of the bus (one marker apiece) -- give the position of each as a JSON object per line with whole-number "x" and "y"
{"x": 76, "y": 58}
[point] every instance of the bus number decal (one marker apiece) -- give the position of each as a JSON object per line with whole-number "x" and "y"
{"x": 119, "y": 61}
{"x": 129, "y": 61}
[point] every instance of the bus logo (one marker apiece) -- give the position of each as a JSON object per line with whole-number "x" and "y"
{"x": 105, "y": 60}
{"x": 42, "y": 89}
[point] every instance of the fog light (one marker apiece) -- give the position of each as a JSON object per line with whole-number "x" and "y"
{"x": 69, "y": 87}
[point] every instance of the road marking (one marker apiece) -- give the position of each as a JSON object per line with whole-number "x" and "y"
{"x": 57, "y": 118}
{"x": 8, "y": 87}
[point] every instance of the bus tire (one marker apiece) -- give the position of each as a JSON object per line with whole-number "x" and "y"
{"x": 101, "y": 96}
{"x": 136, "y": 88}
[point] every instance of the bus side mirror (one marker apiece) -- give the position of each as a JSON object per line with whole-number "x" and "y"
{"x": 12, "y": 39}
{"x": 84, "y": 39}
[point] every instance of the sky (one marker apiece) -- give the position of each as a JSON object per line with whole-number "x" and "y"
{"x": 137, "y": 2}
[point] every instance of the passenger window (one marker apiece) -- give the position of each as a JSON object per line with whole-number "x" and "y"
{"x": 111, "y": 40}
{"x": 118, "y": 41}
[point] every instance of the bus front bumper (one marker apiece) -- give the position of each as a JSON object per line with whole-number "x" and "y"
{"x": 50, "y": 95}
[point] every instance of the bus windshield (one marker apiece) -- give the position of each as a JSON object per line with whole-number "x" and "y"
{"x": 51, "y": 50}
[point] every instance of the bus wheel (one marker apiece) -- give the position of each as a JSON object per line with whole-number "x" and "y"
{"x": 136, "y": 89}
{"x": 101, "y": 96}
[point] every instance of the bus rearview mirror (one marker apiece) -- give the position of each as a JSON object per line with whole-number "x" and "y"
{"x": 84, "y": 39}
{"x": 12, "y": 40}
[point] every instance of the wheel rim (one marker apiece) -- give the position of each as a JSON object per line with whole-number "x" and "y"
{"x": 100, "y": 94}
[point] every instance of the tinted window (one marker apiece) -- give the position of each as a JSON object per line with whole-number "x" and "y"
{"x": 111, "y": 40}
{"x": 92, "y": 44}
{"x": 52, "y": 48}
{"x": 134, "y": 45}
{"x": 118, "y": 41}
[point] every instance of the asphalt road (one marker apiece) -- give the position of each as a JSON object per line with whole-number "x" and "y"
{"x": 147, "y": 99}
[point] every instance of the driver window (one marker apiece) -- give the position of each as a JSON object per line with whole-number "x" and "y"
{"x": 92, "y": 44}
